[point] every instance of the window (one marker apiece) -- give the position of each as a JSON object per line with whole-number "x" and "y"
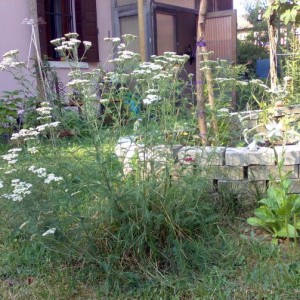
{"x": 218, "y": 5}
{"x": 59, "y": 20}
{"x": 166, "y": 35}
{"x": 183, "y": 3}
{"x": 63, "y": 16}
{"x": 130, "y": 24}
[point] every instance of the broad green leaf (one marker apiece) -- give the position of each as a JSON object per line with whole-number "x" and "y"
{"x": 287, "y": 231}
{"x": 256, "y": 222}
{"x": 296, "y": 201}
{"x": 265, "y": 214}
{"x": 270, "y": 203}
{"x": 297, "y": 225}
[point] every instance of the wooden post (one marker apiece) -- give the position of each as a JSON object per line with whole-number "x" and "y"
{"x": 141, "y": 18}
{"x": 200, "y": 74}
{"x": 273, "y": 45}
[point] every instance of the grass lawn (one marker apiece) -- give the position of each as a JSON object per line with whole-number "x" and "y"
{"x": 122, "y": 238}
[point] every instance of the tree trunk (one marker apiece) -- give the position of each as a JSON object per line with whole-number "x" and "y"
{"x": 273, "y": 45}
{"x": 200, "y": 74}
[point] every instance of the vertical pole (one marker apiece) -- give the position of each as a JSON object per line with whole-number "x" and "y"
{"x": 200, "y": 74}
{"x": 273, "y": 44}
{"x": 141, "y": 18}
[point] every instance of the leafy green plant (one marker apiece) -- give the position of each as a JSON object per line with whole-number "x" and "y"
{"x": 280, "y": 210}
{"x": 9, "y": 111}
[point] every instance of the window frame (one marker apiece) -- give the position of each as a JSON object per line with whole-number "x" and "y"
{"x": 85, "y": 19}
{"x": 56, "y": 27}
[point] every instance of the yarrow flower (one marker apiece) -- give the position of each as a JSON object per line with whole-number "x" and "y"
{"x": 11, "y": 158}
{"x": 76, "y": 82}
{"x": 57, "y": 42}
{"x": 41, "y": 172}
{"x": 33, "y": 150}
{"x": 21, "y": 189}
{"x": 113, "y": 40}
{"x": 87, "y": 45}
{"x": 129, "y": 37}
{"x": 71, "y": 35}
{"x": 10, "y": 171}
{"x": 11, "y": 53}
{"x": 25, "y": 134}
{"x": 51, "y": 177}
{"x": 47, "y": 126}
{"x": 150, "y": 99}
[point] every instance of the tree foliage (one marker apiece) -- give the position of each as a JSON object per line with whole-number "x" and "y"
{"x": 288, "y": 10}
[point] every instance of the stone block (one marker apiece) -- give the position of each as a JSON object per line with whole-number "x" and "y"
{"x": 288, "y": 110}
{"x": 295, "y": 186}
{"x": 290, "y": 154}
{"x": 242, "y": 156}
{"x": 257, "y": 173}
{"x": 223, "y": 172}
{"x": 159, "y": 153}
{"x": 249, "y": 123}
{"x": 244, "y": 190}
{"x": 202, "y": 156}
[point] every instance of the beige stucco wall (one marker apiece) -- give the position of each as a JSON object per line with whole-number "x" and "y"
{"x": 15, "y": 35}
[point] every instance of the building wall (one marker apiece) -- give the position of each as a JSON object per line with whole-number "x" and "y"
{"x": 15, "y": 35}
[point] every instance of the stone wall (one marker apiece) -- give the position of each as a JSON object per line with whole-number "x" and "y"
{"x": 240, "y": 170}
{"x": 243, "y": 171}
{"x": 240, "y": 121}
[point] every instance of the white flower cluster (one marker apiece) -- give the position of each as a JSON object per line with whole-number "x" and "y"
{"x": 124, "y": 56}
{"x": 25, "y": 134}
{"x": 51, "y": 177}
{"x": 33, "y": 150}
{"x": 11, "y": 53}
{"x": 78, "y": 82}
{"x": 87, "y": 45}
{"x": 224, "y": 111}
{"x": 42, "y": 173}
{"x": 10, "y": 171}
{"x": 12, "y": 156}
{"x": 10, "y": 61}
{"x": 150, "y": 99}
{"x": 64, "y": 46}
{"x": 114, "y": 40}
{"x": 46, "y": 126}
{"x": 128, "y": 38}
{"x": 147, "y": 69}
{"x": 32, "y": 133}
{"x": 72, "y": 35}
{"x": 44, "y": 111}
{"x": 260, "y": 83}
{"x": 225, "y": 80}
{"x": 21, "y": 189}
{"x": 1, "y": 184}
